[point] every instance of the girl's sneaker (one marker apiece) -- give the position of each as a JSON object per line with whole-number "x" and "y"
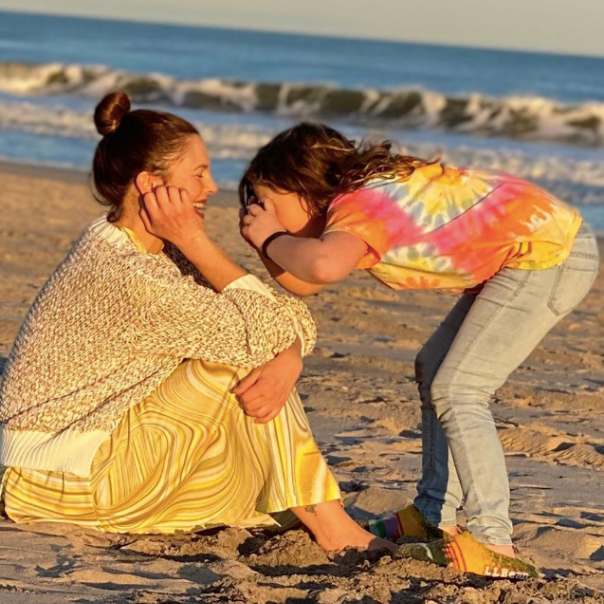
{"x": 408, "y": 522}
{"x": 466, "y": 554}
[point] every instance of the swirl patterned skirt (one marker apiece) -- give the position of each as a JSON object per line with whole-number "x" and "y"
{"x": 184, "y": 458}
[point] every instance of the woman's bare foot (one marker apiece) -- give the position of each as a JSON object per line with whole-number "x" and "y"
{"x": 359, "y": 539}
{"x": 335, "y": 530}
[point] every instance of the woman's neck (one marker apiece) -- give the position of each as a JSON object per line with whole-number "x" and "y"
{"x": 153, "y": 244}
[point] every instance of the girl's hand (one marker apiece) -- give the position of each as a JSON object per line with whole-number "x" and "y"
{"x": 260, "y": 223}
{"x": 169, "y": 213}
{"x": 265, "y": 390}
{"x": 242, "y": 215}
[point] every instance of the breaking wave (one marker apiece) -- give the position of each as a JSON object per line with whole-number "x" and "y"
{"x": 579, "y": 180}
{"x": 527, "y": 118}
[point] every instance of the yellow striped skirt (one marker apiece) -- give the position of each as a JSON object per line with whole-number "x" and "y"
{"x": 186, "y": 457}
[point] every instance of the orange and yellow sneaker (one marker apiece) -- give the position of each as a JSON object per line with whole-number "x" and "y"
{"x": 466, "y": 554}
{"x": 408, "y": 522}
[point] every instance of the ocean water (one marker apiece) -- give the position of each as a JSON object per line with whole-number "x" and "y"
{"x": 536, "y": 115}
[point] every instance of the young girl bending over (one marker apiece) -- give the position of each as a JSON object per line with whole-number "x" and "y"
{"x": 523, "y": 259}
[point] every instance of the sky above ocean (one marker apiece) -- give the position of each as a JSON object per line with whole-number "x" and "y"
{"x": 559, "y": 26}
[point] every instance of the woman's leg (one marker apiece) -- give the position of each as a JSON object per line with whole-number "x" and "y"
{"x": 188, "y": 457}
{"x": 334, "y": 529}
{"x": 509, "y": 317}
{"x": 298, "y": 478}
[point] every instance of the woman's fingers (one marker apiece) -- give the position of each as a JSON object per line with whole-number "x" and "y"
{"x": 257, "y": 411}
{"x": 174, "y": 196}
{"x": 169, "y": 213}
{"x": 262, "y": 412}
{"x": 248, "y": 381}
{"x": 163, "y": 198}
{"x": 150, "y": 202}
{"x": 269, "y": 417}
{"x": 255, "y": 398}
{"x": 185, "y": 196}
{"x": 179, "y": 197}
{"x": 168, "y": 201}
{"x": 256, "y": 394}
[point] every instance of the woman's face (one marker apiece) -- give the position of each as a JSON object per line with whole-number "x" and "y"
{"x": 191, "y": 171}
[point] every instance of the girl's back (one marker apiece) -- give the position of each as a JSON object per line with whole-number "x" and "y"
{"x": 448, "y": 228}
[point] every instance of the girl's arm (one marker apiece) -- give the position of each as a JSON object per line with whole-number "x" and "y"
{"x": 282, "y": 277}
{"x": 315, "y": 261}
{"x": 288, "y": 281}
{"x": 318, "y": 261}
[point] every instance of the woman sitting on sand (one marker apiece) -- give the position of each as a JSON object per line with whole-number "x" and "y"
{"x": 118, "y": 408}
{"x": 523, "y": 258}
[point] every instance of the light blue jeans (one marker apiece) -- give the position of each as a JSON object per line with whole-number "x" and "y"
{"x": 472, "y": 353}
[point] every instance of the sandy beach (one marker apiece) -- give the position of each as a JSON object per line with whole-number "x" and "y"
{"x": 359, "y": 392}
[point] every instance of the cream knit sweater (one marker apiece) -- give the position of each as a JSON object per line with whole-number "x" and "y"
{"x": 108, "y": 327}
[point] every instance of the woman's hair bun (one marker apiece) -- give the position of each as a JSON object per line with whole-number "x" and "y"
{"x": 110, "y": 112}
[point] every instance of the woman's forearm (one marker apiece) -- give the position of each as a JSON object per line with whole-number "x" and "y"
{"x": 212, "y": 262}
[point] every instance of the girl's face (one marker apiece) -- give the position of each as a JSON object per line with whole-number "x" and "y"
{"x": 191, "y": 171}
{"x": 292, "y": 212}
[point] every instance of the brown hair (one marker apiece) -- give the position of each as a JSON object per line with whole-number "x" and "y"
{"x": 318, "y": 163}
{"x": 133, "y": 142}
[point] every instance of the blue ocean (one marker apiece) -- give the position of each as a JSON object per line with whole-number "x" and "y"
{"x": 536, "y": 115}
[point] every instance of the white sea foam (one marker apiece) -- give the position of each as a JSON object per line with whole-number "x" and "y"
{"x": 523, "y": 118}
{"x": 579, "y": 179}
{"x": 233, "y": 141}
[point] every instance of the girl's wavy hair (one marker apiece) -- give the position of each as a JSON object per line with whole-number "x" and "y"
{"x": 319, "y": 164}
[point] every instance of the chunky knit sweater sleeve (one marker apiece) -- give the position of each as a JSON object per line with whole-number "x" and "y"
{"x": 108, "y": 327}
{"x": 240, "y": 327}
{"x": 305, "y": 324}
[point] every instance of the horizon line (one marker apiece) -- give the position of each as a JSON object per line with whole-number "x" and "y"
{"x": 287, "y": 32}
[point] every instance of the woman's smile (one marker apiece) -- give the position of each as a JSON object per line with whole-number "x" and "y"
{"x": 200, "y": 206}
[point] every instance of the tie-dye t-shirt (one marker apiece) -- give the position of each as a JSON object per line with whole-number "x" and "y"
{"x": 447, "y": 228}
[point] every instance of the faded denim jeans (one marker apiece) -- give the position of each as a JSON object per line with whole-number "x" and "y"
{"x": 482, "y": 340}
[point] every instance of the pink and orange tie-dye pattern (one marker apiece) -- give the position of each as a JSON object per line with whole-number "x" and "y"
{"x": 447, "y": 228}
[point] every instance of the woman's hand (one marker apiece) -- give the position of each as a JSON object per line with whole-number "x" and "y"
{"x": 169, "y": 213}
{"x": 265, "y": 390}
{"x": 260, "y": 223}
